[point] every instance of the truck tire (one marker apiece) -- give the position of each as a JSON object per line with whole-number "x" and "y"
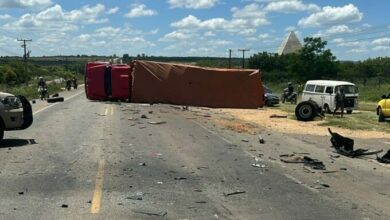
{"x": 381, "y": 117}
{"x": 55, "y": 99}
{"x": 306, "y": 111}
{"x": 349, "y": 112}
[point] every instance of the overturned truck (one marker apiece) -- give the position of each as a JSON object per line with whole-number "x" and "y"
{"x": 154, "y": 82}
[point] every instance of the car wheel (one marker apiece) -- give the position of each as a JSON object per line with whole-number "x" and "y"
{"x": 381, "y": 117}
{"x": 305, "y": 111}
{"x": 1, "y": 131}
{"x": 349, "y": 112}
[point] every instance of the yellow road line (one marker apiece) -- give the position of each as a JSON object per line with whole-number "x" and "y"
{"x": 97, "y": 195}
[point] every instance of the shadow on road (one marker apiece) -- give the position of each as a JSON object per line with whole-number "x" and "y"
{"x": 16, "y": 142}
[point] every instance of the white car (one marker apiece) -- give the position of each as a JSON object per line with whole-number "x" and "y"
{"x": 323, "y": 93}
{"x": 15, "y": 113}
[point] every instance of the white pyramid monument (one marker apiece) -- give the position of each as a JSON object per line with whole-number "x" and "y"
{"x": 290, "y": 45}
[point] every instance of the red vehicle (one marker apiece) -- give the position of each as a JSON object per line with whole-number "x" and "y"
{"x": 104, "y": 81}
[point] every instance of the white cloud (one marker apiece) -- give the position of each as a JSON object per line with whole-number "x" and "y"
{"x": 55, "y": 18}
{"x": 113, "y": 10}
{"x": 288, "y": 6}
{"x": 249, "y": 11}
{"x": 334, "y": 30}
{"x": 140, "y": 11}
{"x": 192, "y": 4}
{"x": 5, "y": 17}
{"x": 332, "y": 15}
{"x": 175, "y": 36}
{"x": 209, "y": 34}
{"x": 24, "y": 3}
{"x": 382, "y": 42}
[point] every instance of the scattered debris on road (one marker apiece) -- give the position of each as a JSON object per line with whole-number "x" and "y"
{"x": 385, "y": 158}
{"x": 344, "y": 146}
{"x": 55, "y": 95}
{"x": 157, "y": 122}
{"x": 234, "y": 193}
{"x": 135, "y": 196}
{"x": 55, "y": 99}
{"x": 245, "y": 140}
{"x": 307, "y": 161}
{"x": 151, "y": 213}
{"x": 261, "y": 140}
{"x": 180, "y": 178}
{"x": 64, "y": 206}
{"x": 144, "y": 117}
{"x": 278, "y": 116}
{"x": 142, "y": 164}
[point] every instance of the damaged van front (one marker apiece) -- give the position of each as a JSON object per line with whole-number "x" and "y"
{"x": 15, "y": 113}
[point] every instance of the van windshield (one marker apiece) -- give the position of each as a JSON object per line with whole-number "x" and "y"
{"x": 348, "y": 89}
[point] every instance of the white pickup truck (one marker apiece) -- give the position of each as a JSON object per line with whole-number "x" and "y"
{"x": 15, "y": 113}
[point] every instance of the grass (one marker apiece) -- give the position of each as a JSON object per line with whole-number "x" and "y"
{"x": 31, "y": 91}
{"x": 366, "y": 119}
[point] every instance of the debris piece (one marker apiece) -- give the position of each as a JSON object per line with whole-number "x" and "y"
{"x": 90, "y": 201}
{"x": 144, "y": 116}
{"x": 185, "y": 108}
{"x": 344, "y": 146}
{"x": 201, "y": 202}
{"x": 307, "y": 161}
{"x": 150, "y": 112}
{"x": 198, "y": 190}
{"x": 151, "y": 213}
{"x": 142, "y": 164}
{"x": 64, "y": 206}
{"x": 259, "y": 165}
{"x": 385, "y": 158}
{"x": 157, "y": 122}
{"x": 331, "y": 171}
{"x": 245, "y": 140}
{"x": 21, "y": 193}
{"x": 278, "y": 116}
{"x": 135, "y": 196}
{"x": 261, "y": 140}
{"x": 234, "y": 193}
{"x": 160, "y": 183}
{"x": 343, "y": 169}
{"x": 180, "y": 178}
{"x": 55, "y": 99}
{"x": 321, "y": 186}
{"x": 33, "y": 101}
{"x": 55, "y": 95}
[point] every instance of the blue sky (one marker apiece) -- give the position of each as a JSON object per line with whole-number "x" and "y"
{"x": 355, "y": 30}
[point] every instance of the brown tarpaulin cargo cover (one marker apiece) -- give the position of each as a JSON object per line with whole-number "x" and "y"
{"x": 155, "y": 82}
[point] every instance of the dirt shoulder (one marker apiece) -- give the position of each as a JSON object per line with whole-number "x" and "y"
{"x": 263, "y": 118}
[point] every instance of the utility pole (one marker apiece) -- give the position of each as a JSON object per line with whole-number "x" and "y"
{"x": 243, "y": 56}
{"x": 230, "y": 58}
{"x": 26, "y": 54}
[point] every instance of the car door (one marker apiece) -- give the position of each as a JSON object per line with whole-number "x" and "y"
{"x": 319, "y": 96}
{"x": 386, "y": 106}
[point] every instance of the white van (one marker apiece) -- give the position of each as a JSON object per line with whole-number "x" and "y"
{"x": 323, "y": 92}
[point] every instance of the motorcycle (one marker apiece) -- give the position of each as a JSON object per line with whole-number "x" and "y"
{"x": 286, "y": 97}
{"x": 43, "y": 94}
{"x": 74, "y": 84}
{"x": 68, "y": 85}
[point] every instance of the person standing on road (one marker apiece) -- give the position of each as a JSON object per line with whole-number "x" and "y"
{"x": 340, "y": 97}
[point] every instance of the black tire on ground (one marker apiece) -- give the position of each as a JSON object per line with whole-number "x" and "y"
{"x": 305, "y": 111}
{"x": 55, "y": 99}
{"x": 381, "y": 117}
{"x": 349, "y": 112}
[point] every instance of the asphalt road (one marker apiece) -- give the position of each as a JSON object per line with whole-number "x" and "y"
{"x": 94, "y": 160}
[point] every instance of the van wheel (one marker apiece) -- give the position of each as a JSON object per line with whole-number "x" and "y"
{"x": 381, "y": 117}
{"x": 349, "y": 112}
{"x": 327, "y": 109}
{"x": 305, "y": 111}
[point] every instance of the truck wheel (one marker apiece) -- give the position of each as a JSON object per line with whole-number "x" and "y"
{"x": 349, "y": 112}
{"x": 381, "y": 117}
{"x": 305, "y": 111}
